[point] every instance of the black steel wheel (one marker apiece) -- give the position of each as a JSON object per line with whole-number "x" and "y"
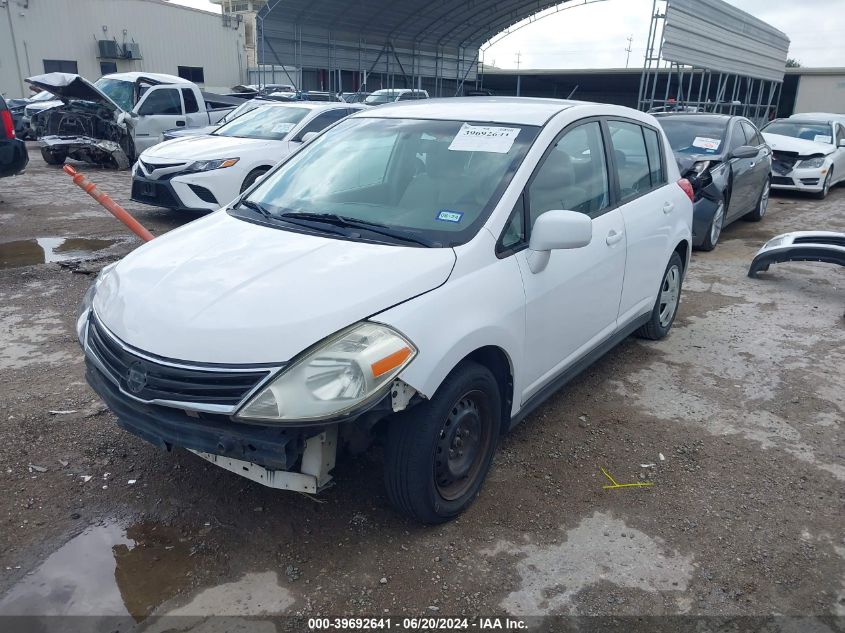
{"x": 438, "y": 452}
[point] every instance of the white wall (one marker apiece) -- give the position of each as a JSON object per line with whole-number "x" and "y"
{"x": 169, "y": 36}
{"x": 821, "y": 93}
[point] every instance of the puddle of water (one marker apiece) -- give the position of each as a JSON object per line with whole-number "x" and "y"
{"x": 106, "y": 571}
{"x": 44, "y": 250}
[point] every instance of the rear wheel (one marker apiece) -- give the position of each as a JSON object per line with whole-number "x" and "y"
{"x": 252, "y": 176}
{"x": 821, "y": 195}
{"x": 762, "y": 205}
{"x": 438, "y": 453}
{"x": 53, "y": 157}
{"x": 715, "y": 230}
{"x": 666, "y": 307}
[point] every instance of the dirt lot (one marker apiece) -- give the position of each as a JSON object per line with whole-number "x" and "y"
{"x": 745, "y": 401}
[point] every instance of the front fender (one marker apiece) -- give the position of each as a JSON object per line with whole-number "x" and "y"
{"x": 480, "y": 305}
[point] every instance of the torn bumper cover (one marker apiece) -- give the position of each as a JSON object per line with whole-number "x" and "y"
{"x": 800, "y": 246}
{"x": 88, "y": 149}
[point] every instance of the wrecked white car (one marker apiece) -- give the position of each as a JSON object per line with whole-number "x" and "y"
{"x": 113, "y": 120}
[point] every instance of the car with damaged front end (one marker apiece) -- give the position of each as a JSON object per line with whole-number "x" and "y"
{"x": 809, "y": 153}
{"x": 111, "y": 121}
{"x": 422, "y": 274}
{"x": 729, "y": 166}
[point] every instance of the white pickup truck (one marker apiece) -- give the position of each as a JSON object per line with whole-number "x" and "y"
{"x": 119, "y": 116}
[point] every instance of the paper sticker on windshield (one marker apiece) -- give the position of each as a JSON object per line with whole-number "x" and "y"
{"x": 707, "y": 143}
{"x": 449, "y": 216}
{"x": 484, "y": 138}
{"x": 822, "y": 138}
{"x": 283, "y": 128}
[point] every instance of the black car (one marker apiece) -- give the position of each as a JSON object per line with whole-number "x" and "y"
{"x": 729, "y": 166}
{"x": 13, "y": 155}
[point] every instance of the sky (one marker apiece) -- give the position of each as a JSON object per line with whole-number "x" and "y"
{"x": 595, "y": 35}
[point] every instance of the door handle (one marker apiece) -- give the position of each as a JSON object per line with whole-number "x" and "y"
{"x": 668, "y": 208}
{"x": 614, "y": 237}
{"x": 752, "y": 164}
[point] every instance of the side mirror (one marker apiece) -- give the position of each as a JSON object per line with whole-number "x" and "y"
{"x": 557, "y": 230}
{"x": 308, "y": 136}
{"x": 745, "y": 151}
{"x": 842, "y": 143}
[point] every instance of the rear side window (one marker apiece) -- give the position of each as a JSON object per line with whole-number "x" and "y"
{"x": 631, "y": 156}
{"x": 654, "y": 151}
{"x": 164, "y": 101}
{"x": 191, "y": 104}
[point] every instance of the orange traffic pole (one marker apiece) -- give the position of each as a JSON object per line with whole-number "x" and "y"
{"x": 111, "y": 206}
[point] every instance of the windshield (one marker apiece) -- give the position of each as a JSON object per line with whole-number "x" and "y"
{"x": 380, "y": 98}
{"x": 246, "y": 106}
{"x": 119, "y": 91}
{"x": 433, "y": 181}
{"x": 694, "y": 136}
{"x": 818, "y": 132}
{"x": 266, "y": 122}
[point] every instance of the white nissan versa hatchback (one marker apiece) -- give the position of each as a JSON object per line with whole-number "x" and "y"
{"x": 426, "y": 273}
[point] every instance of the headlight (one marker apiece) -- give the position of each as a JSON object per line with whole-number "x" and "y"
{"x": 342, "y": 373}
{"x": 208, "y": 165}
{"x": 87, "y": 303}
{"x": 700, "y": 167}
{"x": 811, "y": 163}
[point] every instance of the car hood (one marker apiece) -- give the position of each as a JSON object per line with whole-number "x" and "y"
{"x": 183, "y": 132}
{"x": 211, "y": 147}
{"x": 222, "y": 290}
{"x": 800, "y": 146}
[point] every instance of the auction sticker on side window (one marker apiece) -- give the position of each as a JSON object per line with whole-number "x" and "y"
{"x": 707, "y": 143}
{"x": 484, "y": 138}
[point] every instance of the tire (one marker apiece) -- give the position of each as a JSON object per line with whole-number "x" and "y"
{"x": 666, "y": 306}
{"x": 252, "y": 176}
{"x": 53, "y": 158}
{"x": 821, "y": 195}
{"x": 438, "y": 453}
{"x": 762, "y": 204}
{"x": 715, "y": 228}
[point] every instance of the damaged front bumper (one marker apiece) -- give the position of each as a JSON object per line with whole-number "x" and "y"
{"x": 800, "y": 246}
{"x": 85, "y": 148}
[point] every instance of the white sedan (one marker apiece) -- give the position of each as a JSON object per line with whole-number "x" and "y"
{"x": 808, "y": 153}
{"x": 203, "y": 173}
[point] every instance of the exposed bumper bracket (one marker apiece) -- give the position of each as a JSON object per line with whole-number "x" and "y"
{"x": 317, "y": 462}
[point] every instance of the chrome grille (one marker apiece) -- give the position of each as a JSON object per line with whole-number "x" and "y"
{"x": 151, "y": 380}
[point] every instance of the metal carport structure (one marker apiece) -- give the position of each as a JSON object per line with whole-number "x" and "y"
{"x": 339, "y": 45}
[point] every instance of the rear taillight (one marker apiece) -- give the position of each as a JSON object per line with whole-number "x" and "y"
{"x": 8, "y": 124}
{"x": 684, "y": 184}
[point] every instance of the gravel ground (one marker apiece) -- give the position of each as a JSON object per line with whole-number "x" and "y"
{"x": 738, "y": 417}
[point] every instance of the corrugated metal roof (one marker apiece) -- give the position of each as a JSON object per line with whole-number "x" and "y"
{"x": 423, "y": 23}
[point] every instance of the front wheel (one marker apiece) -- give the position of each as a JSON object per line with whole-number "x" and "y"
{"x": 53, "y": 158}
{"x": 715, "y": 229}
{"x": 666, "y": 307}
{"x": 251, "y": 177}
{"x": 821, "y": 195}
{"x": 762, "y": 204}
{"x": 438, "y": 453}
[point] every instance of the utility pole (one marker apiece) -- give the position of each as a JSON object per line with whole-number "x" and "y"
{"x": 518, "y": 57}
{"x": 630, "y": 42}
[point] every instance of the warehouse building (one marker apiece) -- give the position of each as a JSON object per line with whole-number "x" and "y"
{"x": 97, "y": 37}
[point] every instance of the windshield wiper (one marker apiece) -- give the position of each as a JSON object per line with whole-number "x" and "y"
{"x": 255, "y": 206}
{"x": 355, "y": 223}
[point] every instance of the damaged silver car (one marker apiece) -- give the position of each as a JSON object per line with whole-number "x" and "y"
{"x": 88, "y": 126}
